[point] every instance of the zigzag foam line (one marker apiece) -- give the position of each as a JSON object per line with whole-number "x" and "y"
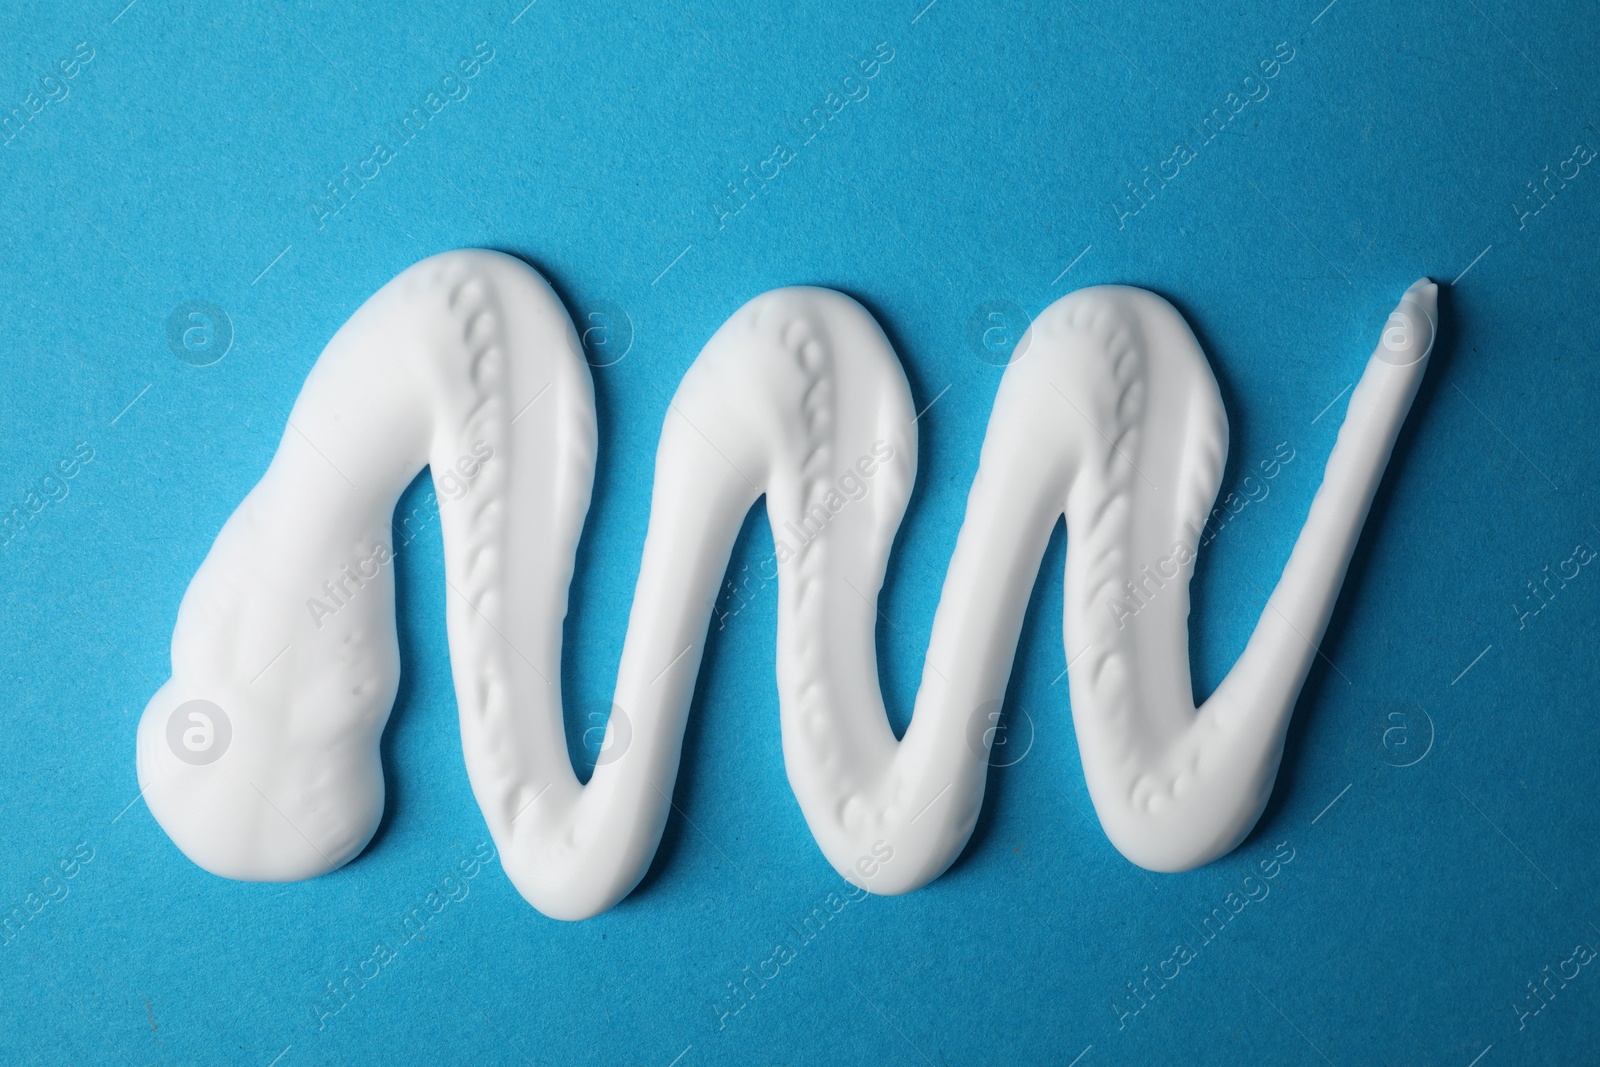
{"x": 467, "y": 361}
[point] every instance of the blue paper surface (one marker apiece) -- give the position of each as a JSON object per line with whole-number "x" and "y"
{"x": 1436, "y": 806}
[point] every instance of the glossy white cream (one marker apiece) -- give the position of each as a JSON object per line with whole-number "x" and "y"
{"x": 467, "y": 362}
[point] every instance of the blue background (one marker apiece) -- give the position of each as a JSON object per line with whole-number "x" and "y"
{"x": 182, "y": 165}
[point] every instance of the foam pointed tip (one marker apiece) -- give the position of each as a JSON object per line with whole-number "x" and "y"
{"x": 1408, "y": 335}
{"x": 1425, "y": 291}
